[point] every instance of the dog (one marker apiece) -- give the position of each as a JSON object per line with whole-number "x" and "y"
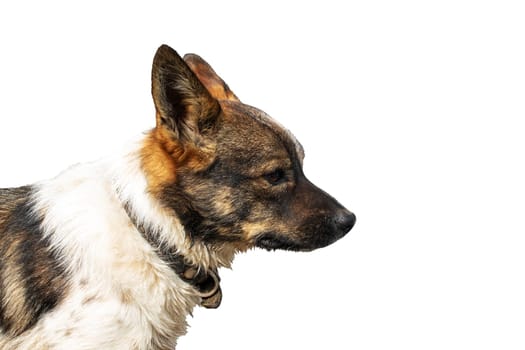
{"x": 116, "y": 253}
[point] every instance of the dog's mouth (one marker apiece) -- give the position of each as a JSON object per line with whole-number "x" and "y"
{"x": 273, "y": 241}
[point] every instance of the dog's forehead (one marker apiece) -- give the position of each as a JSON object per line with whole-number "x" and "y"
{"x": 264, "y": 119}
{"x": 285, "y": 133}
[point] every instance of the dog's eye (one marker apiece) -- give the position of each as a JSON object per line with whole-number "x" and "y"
{"x": 276, "y": 177}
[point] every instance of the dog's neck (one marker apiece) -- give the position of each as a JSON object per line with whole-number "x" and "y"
{"x": 193, "y": 262}
{"x": 206, "y": 282}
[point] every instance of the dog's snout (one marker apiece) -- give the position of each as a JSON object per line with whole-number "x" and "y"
{"x": 344, "y": 221}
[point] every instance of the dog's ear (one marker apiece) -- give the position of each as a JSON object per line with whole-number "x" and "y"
{"x": 215, "y": 85}
{"x": 184, "y": 106}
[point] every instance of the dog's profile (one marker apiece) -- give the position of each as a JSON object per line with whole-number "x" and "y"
{"x": 115, "y": 254}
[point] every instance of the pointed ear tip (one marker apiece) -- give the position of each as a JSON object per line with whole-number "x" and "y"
{"x": 191, "y": 57}
{"x": 164, "y": 47}
{"x": 165, "y": 51}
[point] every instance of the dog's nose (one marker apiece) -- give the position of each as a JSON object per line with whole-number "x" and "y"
{"x": 344, "y": 221}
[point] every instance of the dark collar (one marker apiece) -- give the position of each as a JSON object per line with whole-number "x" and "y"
{"x": 205, "y": 282}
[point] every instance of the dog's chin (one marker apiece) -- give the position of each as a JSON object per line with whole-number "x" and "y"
{"x": 273, "y": 241}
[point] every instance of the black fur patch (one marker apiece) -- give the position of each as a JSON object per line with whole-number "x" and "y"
{"x": 37, "y": 279}
{"x": 201, "y": 222}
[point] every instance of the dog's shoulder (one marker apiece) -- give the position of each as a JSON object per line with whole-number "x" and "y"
{"x": 10, "y": 199}
{"x": 32, "y": 278}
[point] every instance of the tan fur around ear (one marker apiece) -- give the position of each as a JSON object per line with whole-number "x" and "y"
{"x": 207, "y": 76}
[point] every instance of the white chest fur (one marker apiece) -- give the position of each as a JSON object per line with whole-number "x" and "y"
{"x": 120, "y": 295}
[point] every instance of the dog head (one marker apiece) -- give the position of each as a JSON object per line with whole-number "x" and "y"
{"x": 231, "y": 174}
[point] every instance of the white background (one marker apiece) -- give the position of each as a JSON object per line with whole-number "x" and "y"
{"x": 411, "y": 113}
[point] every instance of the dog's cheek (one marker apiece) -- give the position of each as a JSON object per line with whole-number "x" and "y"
{"x": 265, "y": 217}
{"x": 223, "y": 202}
